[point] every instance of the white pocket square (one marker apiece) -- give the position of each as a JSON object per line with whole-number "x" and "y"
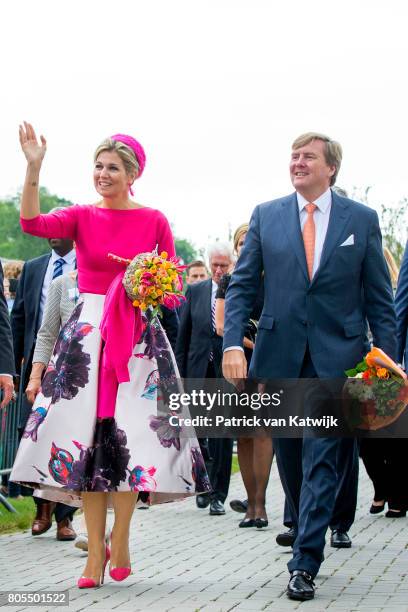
{"x": 348, "y": 241}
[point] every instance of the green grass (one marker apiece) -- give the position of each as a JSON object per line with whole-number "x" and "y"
{"x": 10, "y": 522}
{"x": 235, "y": 465}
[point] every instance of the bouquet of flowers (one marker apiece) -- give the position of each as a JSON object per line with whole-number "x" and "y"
{"x": 152, "y": 280}
{"x": 381, "y": 389}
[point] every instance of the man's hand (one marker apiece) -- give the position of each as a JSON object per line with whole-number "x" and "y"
{"x": 6, "y": 383}
{"x": 234, "y": 365}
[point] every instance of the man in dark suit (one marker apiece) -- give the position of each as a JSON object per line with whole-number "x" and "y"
{"x": 401, "y": 306}
{"x": 324, "y": 272}
{"x": 198, "y": 354}
{"x": 6, "y": 350}
{"x": 26, "y": 317}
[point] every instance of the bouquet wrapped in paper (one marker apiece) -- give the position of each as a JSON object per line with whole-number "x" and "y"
{"x": 380, "y": 387}
{"x": 152, "y": 280}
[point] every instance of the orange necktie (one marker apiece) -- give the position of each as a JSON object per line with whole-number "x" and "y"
{"x": 309, "y": 236}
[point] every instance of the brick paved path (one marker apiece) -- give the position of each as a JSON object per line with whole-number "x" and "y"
{"x": 186, "y": 560}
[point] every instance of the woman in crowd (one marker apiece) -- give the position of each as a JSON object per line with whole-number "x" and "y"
{"x": 383, "y": 457}
{"x": 12, "y": 272}
{"x": 254, "y": 454}
{"x": 95, "y": 434}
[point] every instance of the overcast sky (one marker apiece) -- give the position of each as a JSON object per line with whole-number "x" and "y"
{"x": 215, "y": 90}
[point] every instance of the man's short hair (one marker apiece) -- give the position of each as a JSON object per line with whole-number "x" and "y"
{"x": 196, "y": 264}
{"x": 333, "y": 152}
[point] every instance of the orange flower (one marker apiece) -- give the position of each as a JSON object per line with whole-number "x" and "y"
{"x": 377, "y": 358}
{"x": 383, "y": 373}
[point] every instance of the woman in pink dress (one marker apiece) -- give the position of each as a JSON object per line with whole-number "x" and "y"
{"x": 101, "y": 431}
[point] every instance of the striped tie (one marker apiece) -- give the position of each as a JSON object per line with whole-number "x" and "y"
{"x": 58, "y": 265}
{"x": 213, "y": 315}
{"x": 309, "y": 237}
{"x": 211, "y": 356}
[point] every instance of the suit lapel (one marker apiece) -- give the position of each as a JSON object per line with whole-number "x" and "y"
{"x": 339, "y": 217}
{"x": 289, "y": 213}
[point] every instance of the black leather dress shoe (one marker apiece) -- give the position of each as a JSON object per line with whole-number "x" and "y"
{"x": 287, "y": 538}
{"x": 202, "y": 501}
{"x": 301, "y": 586}
{"x": 260, "y": 523}
{"x": 216, "y": 507}
{"x": 239, "y": 506}
{"x": 340, "y": 539}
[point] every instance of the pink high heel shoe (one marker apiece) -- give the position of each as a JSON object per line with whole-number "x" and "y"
{"x": 90, "y": 583}
{"x": 119, "y": 573}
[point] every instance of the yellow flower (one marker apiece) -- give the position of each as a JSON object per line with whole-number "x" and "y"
{"x": 164, "y": 255}
{"x": 383, "y": 373}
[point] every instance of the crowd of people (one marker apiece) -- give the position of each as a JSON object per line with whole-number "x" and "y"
{"x": 301, "y": 293}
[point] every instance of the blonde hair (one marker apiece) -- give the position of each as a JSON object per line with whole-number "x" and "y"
{"x": 241, "y": 229}
{"x": 392, "y": 266}
{"x": 125, "y": 153}
{"x": 13, "y": 269}
{"x": 333, "y": 152}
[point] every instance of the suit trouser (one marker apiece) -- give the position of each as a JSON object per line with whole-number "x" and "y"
{"x": 220, "y": 467}
{"x": 347, "y": 467}
{"x": 220, "y": 450}
{"x": 312, "y": 462}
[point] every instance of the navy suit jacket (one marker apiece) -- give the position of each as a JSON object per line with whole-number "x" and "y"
{"x": 6, "y": 344}
{"x": 401, "y": 306}
{"x": 196, "y": 338}
{"x": 25, "y": 317}
{"x": 326, "y": 315}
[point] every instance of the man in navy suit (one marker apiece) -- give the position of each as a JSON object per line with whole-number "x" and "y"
{"x": 26, "y": 317}
{"x": 199, "y": 354}
{"x": 6, "y": 350}
{"x": 401, "y": 306}
{"x": 324, "y": 272}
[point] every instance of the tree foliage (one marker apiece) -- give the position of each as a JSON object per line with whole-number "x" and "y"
{"x": 393, "y": 222}
{"x": 14, "y": 244}
{"x": 394, "y": 228}
{"x": 185, "y": 250}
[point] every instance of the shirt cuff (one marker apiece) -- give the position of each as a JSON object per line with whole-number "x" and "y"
{"x": 10, "y": 375}
{"x": 234, "y": 348}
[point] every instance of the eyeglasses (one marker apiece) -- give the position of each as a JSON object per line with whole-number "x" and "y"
{"x": 218, "y": 265}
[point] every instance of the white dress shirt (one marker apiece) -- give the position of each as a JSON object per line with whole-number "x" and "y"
{"x": 69, "y": 266}
{"x": 213, "y": 292}
{"x": 321, "y": 218}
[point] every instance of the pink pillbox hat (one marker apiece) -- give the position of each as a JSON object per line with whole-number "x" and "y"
{"x": 136, "y": 147}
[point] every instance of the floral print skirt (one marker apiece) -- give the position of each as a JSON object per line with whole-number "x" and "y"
{"x": 66, "y": 449}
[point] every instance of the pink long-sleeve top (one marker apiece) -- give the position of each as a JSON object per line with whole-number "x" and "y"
{"x": 97, "y": 232}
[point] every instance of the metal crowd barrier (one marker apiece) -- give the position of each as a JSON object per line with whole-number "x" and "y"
{"x": 9, "y": 419}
